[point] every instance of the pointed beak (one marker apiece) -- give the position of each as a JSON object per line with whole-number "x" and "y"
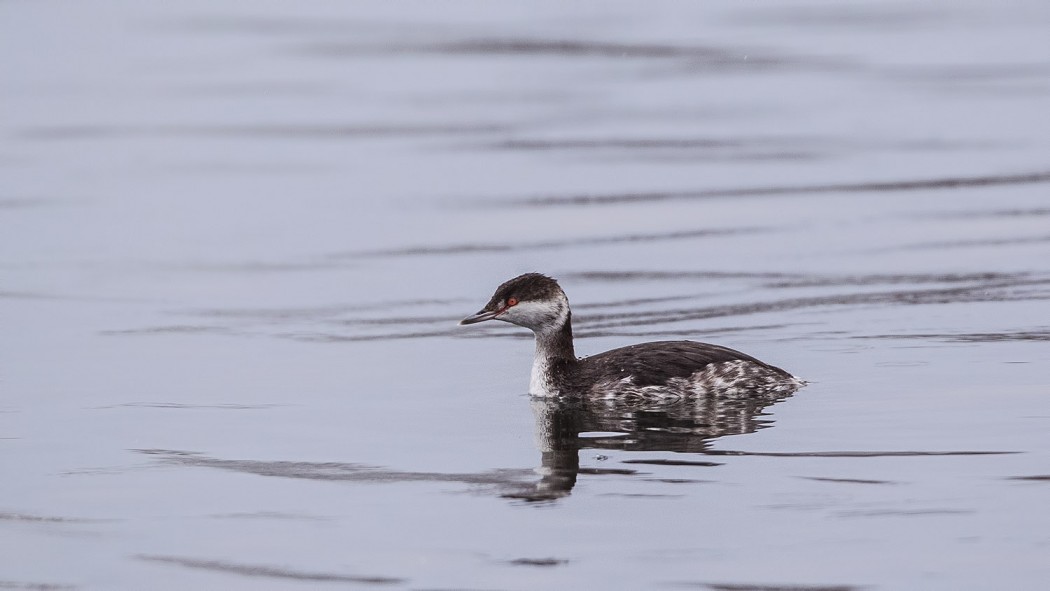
{"x": 481, "y": 316}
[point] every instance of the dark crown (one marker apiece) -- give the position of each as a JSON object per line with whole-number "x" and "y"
{"x": 527, "y": 287}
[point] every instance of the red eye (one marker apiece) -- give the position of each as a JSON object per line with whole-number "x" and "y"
{"x": 512, "y": 302}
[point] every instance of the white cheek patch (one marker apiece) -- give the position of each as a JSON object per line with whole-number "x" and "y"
{"x": 536, "y": 314}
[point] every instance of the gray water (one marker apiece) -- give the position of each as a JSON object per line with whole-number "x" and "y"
{"x": 235, "y": 238}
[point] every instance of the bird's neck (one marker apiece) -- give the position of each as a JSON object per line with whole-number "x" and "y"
{"x": 554, "y": 357}
{"x": 555, "y": 342}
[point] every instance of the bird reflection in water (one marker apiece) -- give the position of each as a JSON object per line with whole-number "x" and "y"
{"x": 565, "y": 426}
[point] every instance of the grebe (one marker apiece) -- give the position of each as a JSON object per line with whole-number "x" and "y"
{"x": 662, "y": 369}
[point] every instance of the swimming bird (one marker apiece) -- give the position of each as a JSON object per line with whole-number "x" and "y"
{"x": 660, "y": 370}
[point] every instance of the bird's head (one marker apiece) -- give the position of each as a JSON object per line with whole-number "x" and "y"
{"x": 532, "y": 300}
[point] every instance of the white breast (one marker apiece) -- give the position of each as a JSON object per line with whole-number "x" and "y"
{"x": 539, "y": 384}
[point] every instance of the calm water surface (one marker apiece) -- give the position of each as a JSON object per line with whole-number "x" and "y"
{"x": 235, "y": 239}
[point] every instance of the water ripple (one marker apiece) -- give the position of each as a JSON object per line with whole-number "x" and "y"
{"x": 957, "y": 182}
{"x": 254, "y": 570}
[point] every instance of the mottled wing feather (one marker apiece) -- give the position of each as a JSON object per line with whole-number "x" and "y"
{"x": 652, "y": 364}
